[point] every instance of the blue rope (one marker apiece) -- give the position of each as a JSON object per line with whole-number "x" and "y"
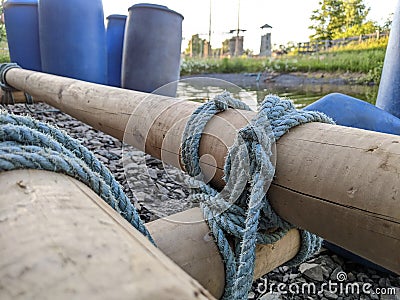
{"x": 29, "y": 144}
{"x": 242, "y": 210}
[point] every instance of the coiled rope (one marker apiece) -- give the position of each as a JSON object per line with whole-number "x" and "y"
{"x": 29, "y": 144}
{"x": 242, "y": 209}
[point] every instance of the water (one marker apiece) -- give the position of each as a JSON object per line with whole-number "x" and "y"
{"x": 246, "y": 88}
{"x": 304, "y": 95}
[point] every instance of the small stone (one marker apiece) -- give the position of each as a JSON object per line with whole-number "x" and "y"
{"x": 338, "y": 260}
{"x": 293, "y": 276}
{"x": 312, "y": 271}
{"x": 384, "y": 282}
{"x": 180, "y": 192}
{"x": 152, "y": 173}
{"x": 251, "y": 295}
{"x": 326, "y": 271}
{"x": 351, "y": 277}
{"x": 362, "y": 277}
{"x": 283, "y": 269}
{"x": 116, "y": 152}
{"x": 330, "y": 295}
{"x": 164, "y": 198}
{"x": 271, "y": 296}
{"x": 140, "y": 195}
{"x": 300, "y": 280}
{"x": 162, "y": 189}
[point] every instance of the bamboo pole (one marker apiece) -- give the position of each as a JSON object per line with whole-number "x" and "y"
{"x": 340, "y": 183}
{"x": 192, "y": 247}
{"x": 61, "y": 241}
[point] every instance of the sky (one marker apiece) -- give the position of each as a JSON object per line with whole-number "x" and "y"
{"x": 289, "y": 18}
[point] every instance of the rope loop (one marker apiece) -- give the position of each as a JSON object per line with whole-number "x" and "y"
{"x": 241, "y": 210}
{"x": 4, "y": 68}
{"x": 8, "y": 97}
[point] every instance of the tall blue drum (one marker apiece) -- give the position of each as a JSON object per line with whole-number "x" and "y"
{"x": 73, "y": 39}
{"x": 115, "y": 42}
{"x": 21, "y": 19}
{"x": 152, "y": 47}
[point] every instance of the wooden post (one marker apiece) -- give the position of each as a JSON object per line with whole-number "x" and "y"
{"x": 59, "y": 240}
{"x": 326, "y": 45}
{"x": 340, "y": 183}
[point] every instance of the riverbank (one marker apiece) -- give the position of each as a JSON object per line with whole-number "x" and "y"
{"x": 260, "y": 79}
{"x": 362, "y": 63}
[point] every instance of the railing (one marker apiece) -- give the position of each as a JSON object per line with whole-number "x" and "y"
{"x": 316, "y": 46}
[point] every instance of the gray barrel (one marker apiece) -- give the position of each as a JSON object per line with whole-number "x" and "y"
{"x": 152, "y": 48}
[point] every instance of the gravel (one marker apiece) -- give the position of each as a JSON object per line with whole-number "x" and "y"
{"x": 159, "y": 190}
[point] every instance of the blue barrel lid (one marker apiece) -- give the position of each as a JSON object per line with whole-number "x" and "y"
{"x": 20, "y": 2}
{"x": 116, "y": 16}
{"x": 154, "y": 6}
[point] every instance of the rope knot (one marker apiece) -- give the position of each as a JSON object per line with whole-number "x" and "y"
{"x": 220, "y": 102}
{"x": 241, "y": 210}
{"x": 8, "y": 97}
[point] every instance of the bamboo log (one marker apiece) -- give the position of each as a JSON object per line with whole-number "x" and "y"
{"x": 340, "y": 183}
{"x": 191, "y": 246}
{"x": 61, "y": 241}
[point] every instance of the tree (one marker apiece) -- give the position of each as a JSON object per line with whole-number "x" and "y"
{"x": 327, "y": 20}
{"x": 335, "y": 17}
{"x": 355, "y": 13}
{"x": 388, "y": 23}
{"x": 2, "y": 26}
{"x": 356, "y": 30}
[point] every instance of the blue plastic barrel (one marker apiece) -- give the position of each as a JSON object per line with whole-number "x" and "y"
{"x": 352, "y": 112}
{"x": 115, "y": 42}
{"x": 73, "y": 39}
{"x": 21, "y": 19}
{"x": 152, "y": 48}
{"x": 389, "y": 87}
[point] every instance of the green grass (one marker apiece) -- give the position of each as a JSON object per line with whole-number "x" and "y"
{"x": 4, "y": 57}
{"x": 365, "y": 58}
{"x": 4, "y": 54}
{"x": 346, "y": 61}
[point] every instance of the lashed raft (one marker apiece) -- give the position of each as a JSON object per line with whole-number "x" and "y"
{"x": 340, "y": 183}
